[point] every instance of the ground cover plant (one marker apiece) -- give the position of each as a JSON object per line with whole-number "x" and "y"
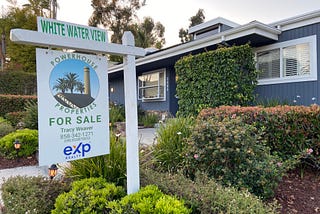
{"x": 205, "y": 195}
{"x": 34, "y": 195}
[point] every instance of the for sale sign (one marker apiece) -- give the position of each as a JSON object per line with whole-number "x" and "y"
{"x": 72, "y": 106}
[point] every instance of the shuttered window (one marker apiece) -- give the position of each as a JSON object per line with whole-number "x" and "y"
{"x": 296, "y": 60}
{"x": 290, "y": 61}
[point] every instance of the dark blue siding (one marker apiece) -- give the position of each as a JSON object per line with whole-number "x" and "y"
{"x": 117, "y": 95}
{"x": 289, "y": 91}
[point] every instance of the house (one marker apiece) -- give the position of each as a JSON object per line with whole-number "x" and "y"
{"x": 287, "y": 54}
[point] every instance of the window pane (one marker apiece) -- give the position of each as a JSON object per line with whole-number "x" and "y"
{"x": 151, "y": 79}
{"x": 151, "y": 92}
{"x": 268, "y": 63}
{"x": 151, "y": 85}
{"x": 161, "y": 78}
{"x": 296, "y": 60}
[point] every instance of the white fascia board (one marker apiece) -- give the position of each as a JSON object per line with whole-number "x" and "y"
{"x": 218, "y": 20}
{"x": 298, "y": 21}
{"x": 254, "y": 27}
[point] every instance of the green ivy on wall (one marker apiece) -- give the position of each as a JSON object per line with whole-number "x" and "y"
{"x": 226, "y": 76}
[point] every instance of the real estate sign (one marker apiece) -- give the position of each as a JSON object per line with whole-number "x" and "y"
{"x": 70, "y": 30}
{"x": 72, "y": 106}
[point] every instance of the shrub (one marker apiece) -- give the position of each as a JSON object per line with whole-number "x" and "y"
{"x": 232, "y": 152}
{"x": 148, "y": 120}
{"x": 18, "y": 82}
{"x": 148, "y": 200}
{"x": 112, "y": 166}
{"x": 5, "y": 127}
{"x": 171, "y": 142}
{"x": 205, "y": 196}
{"x": 14, "y": 103}
{"x": 23, "y": 194}
{"x": 116, "y": 113}
{"x": 31, "y": 116}
{"x": 28, "y": 139}
{"x": 226, "y": 76}
{"x": 288, "y": 130}
{"x": 15, "y": 117}
{"x": 87, "y": 196}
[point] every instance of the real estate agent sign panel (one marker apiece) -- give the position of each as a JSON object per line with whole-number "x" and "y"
{"x": 72, "y": 106}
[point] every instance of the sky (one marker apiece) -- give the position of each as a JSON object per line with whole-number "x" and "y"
{"x": 74, "y": 66}
{"x": 175, "y": 14}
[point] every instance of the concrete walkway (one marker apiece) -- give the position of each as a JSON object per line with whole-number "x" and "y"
{"x": 146, "y": 137}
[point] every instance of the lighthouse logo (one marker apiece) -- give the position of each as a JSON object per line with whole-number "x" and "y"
{"x": 74, "y": 83}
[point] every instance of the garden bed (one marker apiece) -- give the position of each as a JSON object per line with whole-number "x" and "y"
{"x": 298, "y": 192}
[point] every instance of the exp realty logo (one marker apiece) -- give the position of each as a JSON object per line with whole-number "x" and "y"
{"x": 76, "y": 151}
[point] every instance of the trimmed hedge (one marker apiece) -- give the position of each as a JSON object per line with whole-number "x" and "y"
{"x": 28, "y": 139}
{"x": 18, "y": 82}
{"x": 88, "y": 196}
{"x": 226, "y": 76}
{"x": 288, "y": 130}
{"x": 147, "y": 200}
{"x": 14, "y": 103}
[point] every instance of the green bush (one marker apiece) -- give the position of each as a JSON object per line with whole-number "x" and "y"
{"x": 31, "y": 194}
{"x": 5, "y": 127}
{"x": 29, "y": 143}
{"x": 31, "y": 115}
{"x": 148, "y": 200}
{"x": 112, "y": 166}
{"x": 226, "y": 76}
{"x": 14, "y": 103}
{"x": 205, "y": 195}
{"x": 171, "y": 142}
{"x": 116, "y": 113}
{"x": 233, "y": 153}
{"x": 18, "y": 82}
{"x": 148, "y": 120}
{"x": 87, "y": 196}
{"x": 16, "y": 118}
{"x": 288, "y": 130}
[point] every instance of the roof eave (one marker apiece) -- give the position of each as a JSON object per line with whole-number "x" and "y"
{"x": 254, "y": 27}
{"x": 297, "y": 21}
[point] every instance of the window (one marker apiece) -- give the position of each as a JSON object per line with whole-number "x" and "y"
{"x": 151, "y": 86}
{"x": 268, "y": 63}
{"x": 290, "y": 61}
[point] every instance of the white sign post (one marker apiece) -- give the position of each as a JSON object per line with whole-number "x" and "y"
{"x": 54, "y": 33}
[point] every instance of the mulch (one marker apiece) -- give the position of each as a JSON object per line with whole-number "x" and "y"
{"x": 17, "y": 162}
{"x": 298, "y": 192}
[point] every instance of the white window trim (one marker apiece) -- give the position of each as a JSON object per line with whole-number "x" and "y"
{"x": 164, "y": 86}
{"x": 312, "y": 40}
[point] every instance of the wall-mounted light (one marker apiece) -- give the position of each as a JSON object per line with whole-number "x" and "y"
{"x": 111, "y": 89}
